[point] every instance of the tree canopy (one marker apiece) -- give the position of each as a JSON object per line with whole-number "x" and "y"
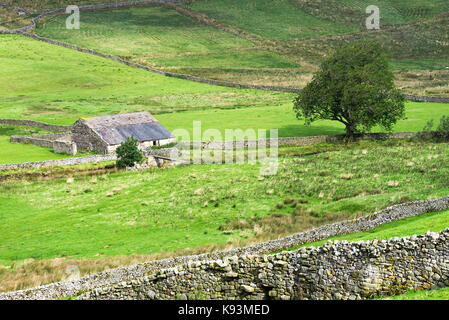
{"x": 355, "y": 87}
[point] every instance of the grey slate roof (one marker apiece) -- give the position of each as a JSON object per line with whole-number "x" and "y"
{"x": 115, "y": 129}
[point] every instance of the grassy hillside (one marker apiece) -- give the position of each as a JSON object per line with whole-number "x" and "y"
{"x": 279, "y": 19}
{"x": 50, "y": 83}
{"x": 400, "y": 11}
{"x": 267, "y": 42}
{"x": 43, "y": 4}
{"x": 165, "y": 39}
{"x": 9, "y": 19}
{"x": 142, "y": 32}
{"x": 352, "y": 12}
{"x": 212, "y": 206}
{"x": 414, "y": 33}
{"x": 111, "y": 210}
{"x": 58, "y": 85}
{"x": 297, "y": 19}
{"x": 281, "y": 117}
{"x": 109, "y": 219}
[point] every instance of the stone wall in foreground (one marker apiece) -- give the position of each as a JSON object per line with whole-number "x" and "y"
{"x": 133, "y": 275}
{"x": 336, "y": 270}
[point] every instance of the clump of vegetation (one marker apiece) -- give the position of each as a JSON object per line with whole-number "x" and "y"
{"x": 443, "y": 127}
{"x": 128, "y": 154}
{"x": 439, "y": 294}
{"x": 428, "y": 127}
{"x": 355, "y": 87}
{"x": 165, "y": 146}
{"x": 442, "y": 130}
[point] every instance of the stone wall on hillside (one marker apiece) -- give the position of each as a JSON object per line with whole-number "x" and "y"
{"x": 412, "y": 97}
{"x": 297, "y": 141}
{"x": 34, "y": 124}
{"x": 336, "y": 270}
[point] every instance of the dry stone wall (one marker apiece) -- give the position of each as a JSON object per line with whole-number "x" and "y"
{"x": 416, "y": 98}
{"x": 60, "y": 162}
{"x": 105, "y": 284}
{"x": 37, "y": 140}
{"x": 34, "y": 124}
{"x": 336, "y": 270}
{"x": 59, "y": 142}
{"x": 297, "y": 141}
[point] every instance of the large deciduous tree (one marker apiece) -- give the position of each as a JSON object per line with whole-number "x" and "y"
{"x": 355, "y": 87}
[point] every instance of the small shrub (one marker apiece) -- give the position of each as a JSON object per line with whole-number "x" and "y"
{"x": 165, "y": 146}
{"x": 443, "y": 127}
{"x": 428, "y": 127}
{"x": 128, "y": 153}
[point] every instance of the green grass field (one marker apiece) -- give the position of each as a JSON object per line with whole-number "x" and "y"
{"x": 165, "y": 39}
{"x": 439, "y": 294}
{"x": 125, "y": 213}
{"x": 282, "y": 117}
{"x": 54, "y": 84}
{"x": 19, "y": 153}
{"x": 400, "y": 11}
{"x": 142, "y": 32}
{"x": 434, "y": 221}
{"x": 58, "y": 85}
{"x": 67, "y": 85}
{"x": 107, "y": 219}
{"x": 97, "y": 219}
{"x": 296, "y": 19}
{"x": 278, "y": 20}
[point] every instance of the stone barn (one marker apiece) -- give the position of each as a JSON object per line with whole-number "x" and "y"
{"x": 104, "y": 134}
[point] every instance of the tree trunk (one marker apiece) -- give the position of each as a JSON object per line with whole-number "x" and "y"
{"x": 350, "y": 131}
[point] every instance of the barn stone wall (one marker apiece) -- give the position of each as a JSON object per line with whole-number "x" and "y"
{"x": 86, "y": 139}
{"x": 65, "y": 147}
{"x": 336, "y": 270}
